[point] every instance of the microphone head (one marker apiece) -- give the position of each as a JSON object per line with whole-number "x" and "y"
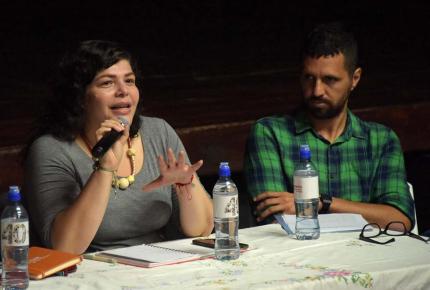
{"x": 123, "y": 120}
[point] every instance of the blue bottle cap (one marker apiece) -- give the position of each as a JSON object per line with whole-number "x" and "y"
{"x": 14, "y": 194}
{"x": 224, "y": 169}
{"x": 305, "y": 152}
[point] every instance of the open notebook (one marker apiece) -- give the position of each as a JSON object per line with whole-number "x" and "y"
{"x": 146, "y": 256}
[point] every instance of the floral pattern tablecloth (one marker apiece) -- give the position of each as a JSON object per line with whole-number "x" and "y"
{"x": 275, "y": 261}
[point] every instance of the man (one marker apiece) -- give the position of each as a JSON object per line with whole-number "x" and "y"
{"x": 360, "y": 164}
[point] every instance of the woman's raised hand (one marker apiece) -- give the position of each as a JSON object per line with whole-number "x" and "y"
{"x": 174, "y": 171}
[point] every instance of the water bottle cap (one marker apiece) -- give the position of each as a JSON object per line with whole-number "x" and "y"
{"x": 14, "y": 194}
{"x": 224, "y": 169}
{"x": 305, "y": 152}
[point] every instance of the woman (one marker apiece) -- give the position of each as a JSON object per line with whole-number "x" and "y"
{"x": 142, "y": 190}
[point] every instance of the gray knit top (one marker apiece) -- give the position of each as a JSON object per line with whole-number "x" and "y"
{"x": 56, "y": 171}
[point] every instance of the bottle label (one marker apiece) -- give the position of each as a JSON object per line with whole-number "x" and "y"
{"x": 14, "y": 233}
{"x": 306, "y": 187}
{"x": 226, "y": 206}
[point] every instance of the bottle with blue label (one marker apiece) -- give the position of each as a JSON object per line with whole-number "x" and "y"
{"x": 14, "y": 242}
{"x": 226, "y": 213}
{"x": 306, "y": 197}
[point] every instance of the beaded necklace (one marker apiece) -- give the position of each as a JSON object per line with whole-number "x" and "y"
{"x": 124, "y": 182}
{"x": 120, "y": 182}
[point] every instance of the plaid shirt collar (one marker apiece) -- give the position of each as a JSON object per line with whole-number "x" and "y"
{"x": 354, "y": 128}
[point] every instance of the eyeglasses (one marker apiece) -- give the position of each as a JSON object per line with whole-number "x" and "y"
{"x": 392, "y": 229}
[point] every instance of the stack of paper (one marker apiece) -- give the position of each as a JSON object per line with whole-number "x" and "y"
{"x": 333, "y": 222}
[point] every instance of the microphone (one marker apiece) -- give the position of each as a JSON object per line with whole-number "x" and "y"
{"x": 107, "y": 140}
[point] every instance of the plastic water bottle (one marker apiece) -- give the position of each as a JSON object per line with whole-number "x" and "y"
{"x": 306, "y": 197}
{"x": 14, "y": 242}
{"x": 226, "y": 212}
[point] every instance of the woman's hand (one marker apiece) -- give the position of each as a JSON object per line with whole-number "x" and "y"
{"x": 111, "y": 159}
{"x": 174, "y": 171}
{"x": 195, "y": 205}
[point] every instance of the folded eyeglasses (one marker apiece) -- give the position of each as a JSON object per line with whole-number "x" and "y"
{"x": 394, "y": 229}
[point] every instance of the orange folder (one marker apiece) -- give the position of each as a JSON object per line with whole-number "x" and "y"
{"x": 43, "y": 262}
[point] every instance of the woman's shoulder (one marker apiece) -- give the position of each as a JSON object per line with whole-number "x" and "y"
{"x": 47, "y": 141}
{"x": 158, "y": 130}
{"x": 49, "y": 146}
{"x": 152, "y": 121}
{"x": 154, "y": 124}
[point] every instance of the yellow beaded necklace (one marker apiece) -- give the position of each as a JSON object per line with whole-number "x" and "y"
{"x": 121, "y": 182}
{"x": 124, "y": 182}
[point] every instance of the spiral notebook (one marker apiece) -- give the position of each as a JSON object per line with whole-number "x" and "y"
{"x": 146, "y": 256}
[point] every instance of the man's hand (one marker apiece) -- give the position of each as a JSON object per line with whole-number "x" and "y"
{"x": 174, "y": 171}
{"x": 274, "y": 202}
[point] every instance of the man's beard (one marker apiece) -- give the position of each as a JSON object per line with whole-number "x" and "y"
{"x": 327, "y": 112}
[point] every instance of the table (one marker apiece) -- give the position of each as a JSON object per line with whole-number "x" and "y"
{"x": 276, "y": 261}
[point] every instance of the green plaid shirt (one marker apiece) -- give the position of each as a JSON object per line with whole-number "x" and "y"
{"x": 364, "y": 164}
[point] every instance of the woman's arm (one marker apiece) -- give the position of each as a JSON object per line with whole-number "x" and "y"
{"x": 195, "y": 206}
{"x": 195, "y": 209}
{"x": 74, "y": 228}
{"x": 64, "y": 215}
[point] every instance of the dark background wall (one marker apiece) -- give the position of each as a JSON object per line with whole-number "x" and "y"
{"x": 220, "y": 65}
{"x": 186, "y": 46}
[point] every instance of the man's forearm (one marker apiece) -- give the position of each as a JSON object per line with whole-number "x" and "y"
{"x": 381, "y": 214}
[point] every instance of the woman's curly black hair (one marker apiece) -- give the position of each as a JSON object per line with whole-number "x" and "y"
{"x": 64, "y": 114}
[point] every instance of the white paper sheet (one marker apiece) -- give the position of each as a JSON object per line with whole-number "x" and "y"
{"x": 329, "y": 223}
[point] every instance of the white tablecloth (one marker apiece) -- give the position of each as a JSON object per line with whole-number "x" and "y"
{"x": 276, "y": 261}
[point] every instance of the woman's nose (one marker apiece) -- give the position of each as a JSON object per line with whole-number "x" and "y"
{"x": 122, "y": 90}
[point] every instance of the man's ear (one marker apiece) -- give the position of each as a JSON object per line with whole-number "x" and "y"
{"x": 356, "y": 77}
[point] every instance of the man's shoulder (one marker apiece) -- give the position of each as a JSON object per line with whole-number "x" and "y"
{"x": 276, "y": 120}
{"x": 371, "y": 128}
{"x": 278, "y": 126}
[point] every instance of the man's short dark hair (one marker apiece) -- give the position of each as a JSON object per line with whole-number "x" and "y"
{"x": 329, "y": 40}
